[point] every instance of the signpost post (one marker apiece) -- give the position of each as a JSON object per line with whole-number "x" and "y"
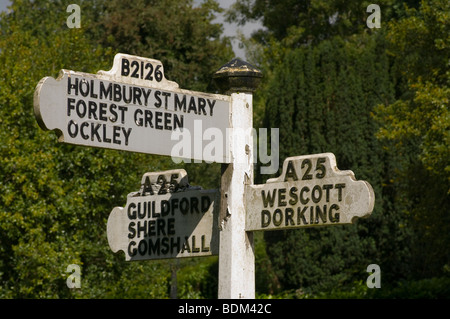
{"x": 133, "y": 107}
{"x": 236, "y": 253}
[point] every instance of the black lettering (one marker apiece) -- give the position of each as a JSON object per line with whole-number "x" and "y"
{"x": 146, "y": 94}
{"x": 116, "y": 135}
{"x": 103, "y": 111}
{"x": 289, "y": 216}
{"x": 265, "y": 218}
{"x": 307, "y": 175}
{"x": 131, "y": 212}
{"x": 204, "y": 248}
{"x": 165, "y": 208}
{"x": 321, "y": 213}
{"x": 132, "y": 252}
{"x": 166, "y": 96}
{"x": 125, "y": 70}
{"x": 117, "y": 93}
{"x": 194, "y": 249}
{"x": 159, "y": 102}
{"x": 149, "y": 74}
{"x": 290, "y": 172}
{"x": 201, "y": 106}
{"x": 317, "y": 198}
{"x": 161, "y": 224}
{"x": 84, "y": 91}
{"x": 270, "y": 199}
{"x": 83, "y": 113}
{"x": 170, "y": 226}
{"x": 142, "y": 247}
{"x": 141, "y": 228}
{"x": 186, "y": 246}
{"x": 70, "y": 106}
{"x": 126, "y": 133}
{"x": 277, "y": 217}
{"x": 184, "y": 206}
{"x": 71, "y": 86}
{"x": 211, "y": 106}
{"x": 130, "y": 94}
{"x": 155, "y": 247}
{"x": 173, "y": 244}
{"x": 158, "y": 120}
{"x": 174, "y": 205}
{"x": 320, "y": 167}
{"x": 194, "y": 205}
{"x": 167, "y": 121}
{"x": 192, "y": 106}
{"x": 303, "y": 200}
{"x": 137, "y": 96}
{"x": 105, "y": 93}
{"x": 93, "y": 95}
{"x": 135, "y": 64}
{"x": 177, "y": 122}
{"x": 294, "y": 196}
{"x": 333, "y": 218}
{"x": 301, "y": 215}
{"x": 138, "y": 121}
{"x": 180, "y": 104}
{"x": 114, "y": 116}
{"x": 72, "y": 132}
{"x": 105, "y": 139}
{"x": 122, "y": 110}
{"x": 282, "y": 197}
{"x": 327, "y": 188}
{"x": 132, "y": 231}
{"x": 339, "y": 187}
{"x": 92, "y": 113}
{"x": 152, "y": 227}
{"x": 205, "y": 203}
{"x": 82, "y": 126}
{"x": 147, "y": 187}
{"x": 148, "y": 118}
{"x": 165, "y": 245}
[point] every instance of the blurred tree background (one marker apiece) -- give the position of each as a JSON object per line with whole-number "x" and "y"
{"x": 377, "y": 98}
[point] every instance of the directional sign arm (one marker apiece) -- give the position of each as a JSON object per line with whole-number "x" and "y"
{"x": 311, "y": 191}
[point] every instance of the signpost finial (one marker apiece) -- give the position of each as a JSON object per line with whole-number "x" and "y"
{"x": 237, "y": 76}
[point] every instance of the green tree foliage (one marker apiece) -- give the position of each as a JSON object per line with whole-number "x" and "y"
{"x": 55, "y": 198}
{"x": 309, "y": 21}
{"x": 326, "y": 76}
{"x": 417, "y": 124}
{"x": 422, "y": 111}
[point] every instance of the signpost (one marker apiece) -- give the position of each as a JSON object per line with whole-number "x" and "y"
{"x": 133, "y": 107}
{"x": 166, "y": 218}
{"x": 311, "y": 191}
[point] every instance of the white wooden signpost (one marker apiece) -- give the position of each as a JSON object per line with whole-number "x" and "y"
{"x": 311, "y": 191}
{"x": 166, "y": 218}
{"x": 133, "y": 107}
